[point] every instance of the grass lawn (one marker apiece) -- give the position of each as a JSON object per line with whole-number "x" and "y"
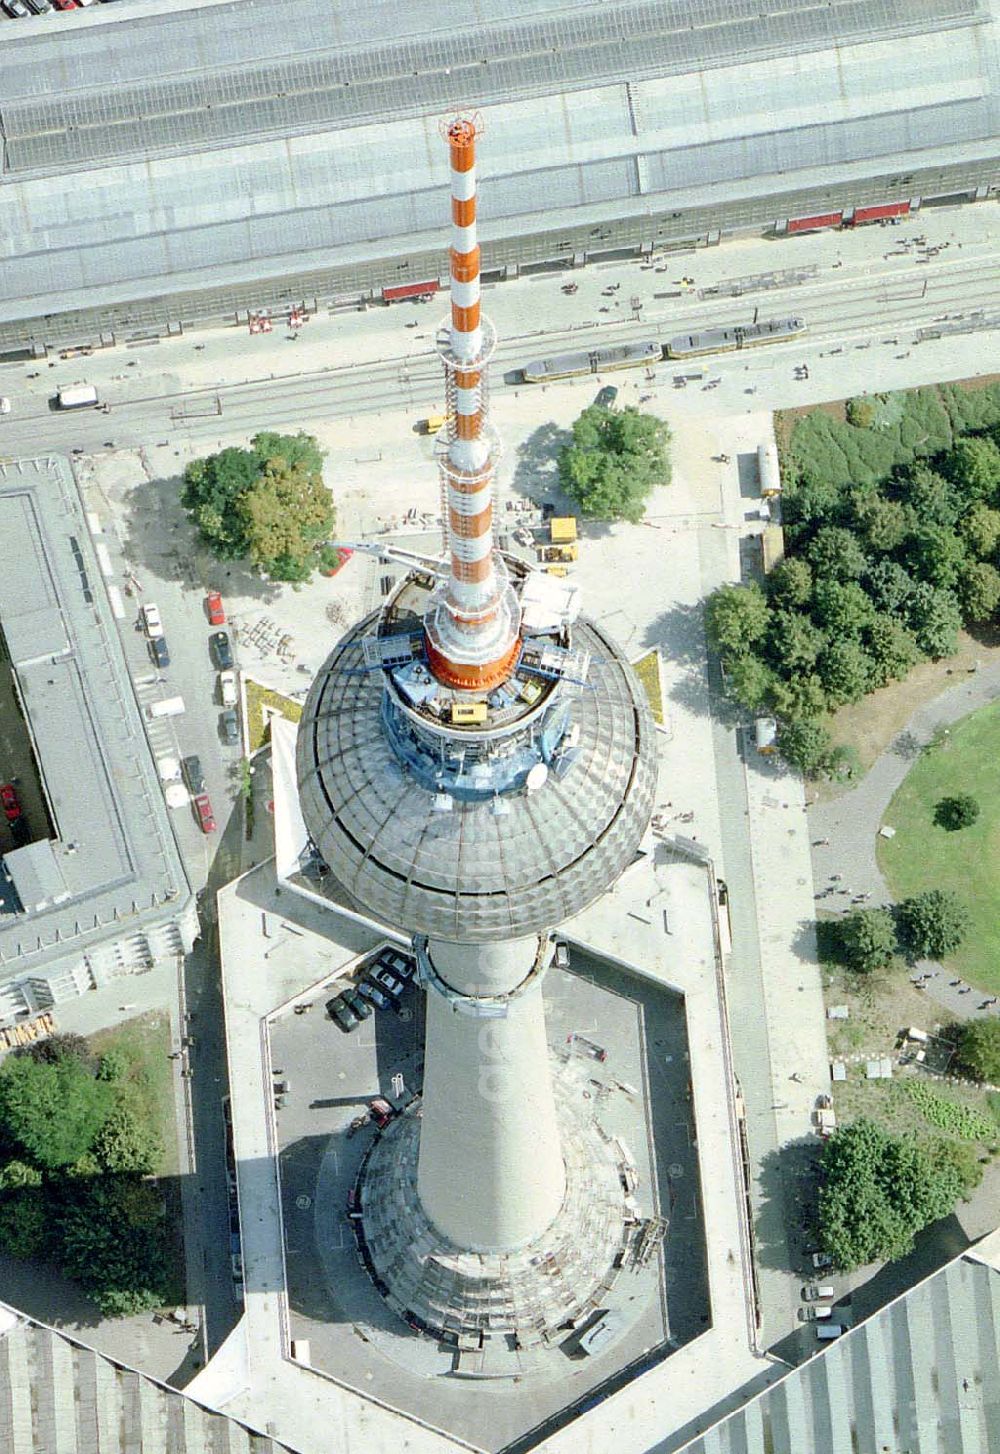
{"x": 924, "y": 856}
{"x": 647, "y": 669}
{"x": 145, "y": 1041}
{"x": 258, "y": 723}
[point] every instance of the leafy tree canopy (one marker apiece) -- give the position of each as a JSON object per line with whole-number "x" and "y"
{"x": 935, "y": 619}
{"x": 53, "y": 1111}
{"x": 285, "y": 516}
{"x": 845, "y": 671}
{"x": 978, "y": 590}
{"x": 790, "y": 583}
{"x": 883, "y": 524}
{"x": 935, "y": 553}
{"x": 878, "y": 1192}
{"x": 834, "y": 552}
{"x": 126, "y": 1142}
{"x": 842, "y": 607}
{"x": 267, "y": 503}
{"x": 979, "y": 527}
{"x": 806, "y": 745}
{"x": 736, "y": 617}
{"x": 793, "y": 641}
{"x": 932, "y": 498}
{"x": 749, "y": 681}
{"x": 867, "y": 939}
{"x": 956, "y": 812}
{"x": 974, "y": 465}
{"x": 979, "y": 1049}
{"x": 615, "y": 461}
{"x": 890, "y": 586}
{"x": 932, "y": 923}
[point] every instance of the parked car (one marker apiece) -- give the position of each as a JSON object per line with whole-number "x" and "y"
{"x": 203, "y": 811}
{"x": 228, "y": 694}
{"x": 386, "y": 981}
{"x": 813, "y": 1291}
{"x": 342, "y": 1014}
{"x": 67, "y": 4}
{"x": 397, "y": 963}
{"x": 378, "y": 997}
{"x": 193, "y": 775}
{"x": 357, "y": 1004}
{"x": 10, "y": 802}
{"x": 149, "y": 614}
{"x": 814, "y": 1311}
{"x": 4, "y": 404}
{"x": 229, "y": 727}
{"x": 221, "y": 649}
{"x": 38, "y": 7}
{"x": 16, "y": 9}
{"x": 381, "y": 1112}
{"x": 159, "y": 651}
{"x": 214, "y": 608}
{"x": 821, "y": 1260}
{"x": 606, "y": 396}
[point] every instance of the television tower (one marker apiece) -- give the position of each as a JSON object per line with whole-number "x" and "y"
{"x": 475, "y": 765}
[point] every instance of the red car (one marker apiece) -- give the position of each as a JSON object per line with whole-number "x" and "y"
{"x": 11, "y": 802}
{"x": 66, "y": 4}
{"x": 213, "y": 605}
{"x": 203, "y": 810}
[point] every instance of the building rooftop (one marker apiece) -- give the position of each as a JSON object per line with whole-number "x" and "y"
{"x": 922, "y": 1375}
{"x": 112, "y": 857}
{"x": 58, "y": 1396}
{"x": 176, "y": 148}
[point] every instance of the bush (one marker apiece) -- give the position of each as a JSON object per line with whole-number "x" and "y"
{"x": 960, "y": 811}
{"x": 932, "y": 924}
{"x": 958, "y": 1120}
{"x": 126, "y": 1142}
{"x": 113, "y": 1066}
{"x": 25, "y": 1224}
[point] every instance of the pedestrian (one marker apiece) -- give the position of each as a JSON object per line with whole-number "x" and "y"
{"x": 966, "y": 990}
{"x": 836, "y": 877}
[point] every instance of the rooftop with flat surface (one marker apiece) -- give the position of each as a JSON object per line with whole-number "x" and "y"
{"x": 115, "y": 867}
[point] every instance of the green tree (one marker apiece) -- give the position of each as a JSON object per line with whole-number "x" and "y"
{"x": 878, "y": 1192}
{"x": 790, "y": 583}
{"x": 736, "y": 617}
{"x": 933, "y": 500}
{"x": 936, "y": 553}
{"x": 15, "y": 1174}
{"x": 64, "y": 1046}
{"x": 793, "y": 641}
{"x": 932, "y": 924}
{"x": 114, "y": 1245}
{"x": 892, "y": 650}
{"x": 934, "y": 617}
{"x": 834, "y": 553}
{"x": 979, "y": 1049}
{"x": 978, "y": 590}
{"x": 890, "y": 586}
{"x": 845, "y": 671}
{"x": 53, "y": 1111}
{"x": 860, "y": 412}
{"x": 974, "y": 465}
{"x": 979, "y": 527}
{"x": 295, "y": 449}
{"x": 806, "y": 745}
{"x": 867, "y": 939}
{"x": 616, "y": 459}
{"x": 807, "y": 503}
{"x": 798, "y": 698}
{"x": 842, "y": 607}
{"x": 749, "y": 681}
{"x": 25, "y": 1223}
{"x": 882, "y": 524}
{"x": 958, "y": 811}
{"x": 213, "y": 489}
{"x": 286, "y": 514}
{"x": 113, "y": 1065}
{"x": 127, "y": 1142}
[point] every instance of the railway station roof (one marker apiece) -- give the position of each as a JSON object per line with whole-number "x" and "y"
{"x": 165, "y": 145}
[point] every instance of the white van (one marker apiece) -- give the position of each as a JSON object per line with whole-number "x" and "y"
{"x": 604, "y": 1331}
{"x": 825, "y": 1331}
{"x": 166, "y": 707}
{"x": 77, "y": 396}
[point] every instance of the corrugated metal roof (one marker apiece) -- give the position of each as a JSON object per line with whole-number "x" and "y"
{"x": 921, "y": 1376}
{"x": 58, "y": 1396}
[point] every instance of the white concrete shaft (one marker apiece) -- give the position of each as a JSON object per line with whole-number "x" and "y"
{"x": 490, "y": 1174}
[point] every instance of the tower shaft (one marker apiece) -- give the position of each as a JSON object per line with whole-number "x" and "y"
{"x": 491, "y": 1175}
{"x": 473, "y": 639}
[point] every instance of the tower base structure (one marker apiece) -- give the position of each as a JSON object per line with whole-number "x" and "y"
{"x": 527, "y": 1296}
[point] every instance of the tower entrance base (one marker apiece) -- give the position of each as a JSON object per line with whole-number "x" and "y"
{"x": 528, "y": 1297}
